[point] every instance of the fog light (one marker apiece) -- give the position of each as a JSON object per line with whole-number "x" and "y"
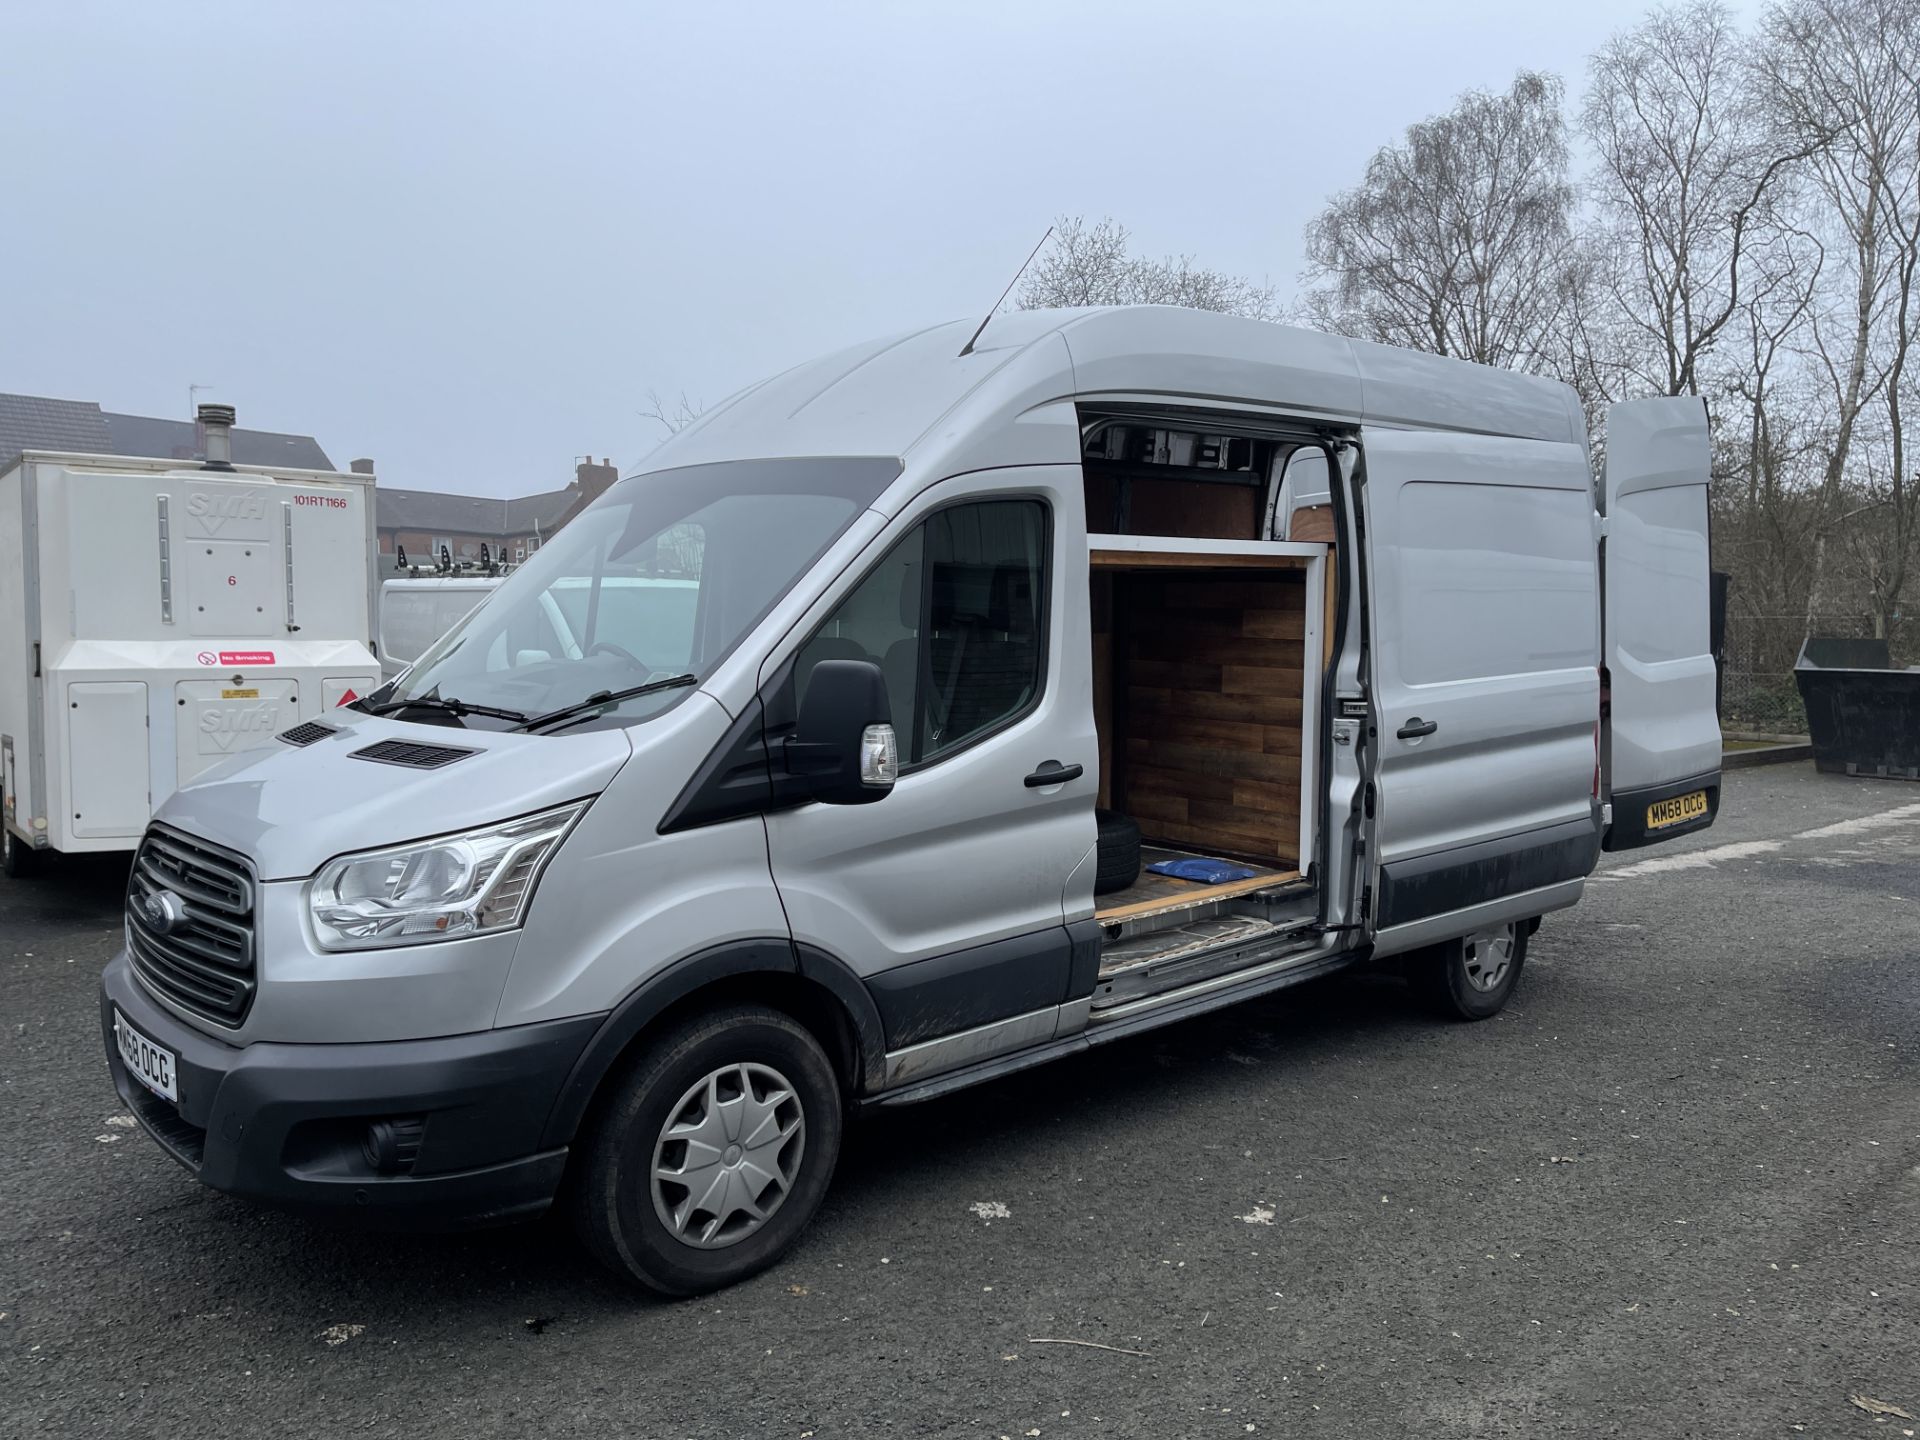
{"x": 391, "y": 1146}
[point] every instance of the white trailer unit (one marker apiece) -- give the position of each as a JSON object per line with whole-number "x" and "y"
{"x": 156, "y": 618}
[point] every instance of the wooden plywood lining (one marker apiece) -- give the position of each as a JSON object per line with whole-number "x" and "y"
{"x": 1201, "y": 729}
{"x": 1195, "y": 560}
{"x": 1312, "y": 522}
{"x": 1160, "y": 505}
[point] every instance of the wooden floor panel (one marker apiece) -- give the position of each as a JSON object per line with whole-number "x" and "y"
{"x": 1151, "y": 893}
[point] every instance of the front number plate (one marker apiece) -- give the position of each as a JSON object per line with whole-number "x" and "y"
{"x": 154, "y": 1066}
{"x": 1663, "y": 814}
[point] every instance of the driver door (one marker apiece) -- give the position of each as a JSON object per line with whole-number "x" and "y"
{"x": 947, "y": 896}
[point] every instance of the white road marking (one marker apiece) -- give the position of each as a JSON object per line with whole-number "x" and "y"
{"x": 1693, "y": 859}
{"x": 1748, "y": 849}
{"x": 1902, "y": 815}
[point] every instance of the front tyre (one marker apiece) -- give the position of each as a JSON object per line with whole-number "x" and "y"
{"x": 712, "y": 1152}
{"x": 1471, "y": 978}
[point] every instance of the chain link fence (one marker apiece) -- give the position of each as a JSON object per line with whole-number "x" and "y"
{"x": 1757, "y": 688}
{"x": 1762, "y": 702}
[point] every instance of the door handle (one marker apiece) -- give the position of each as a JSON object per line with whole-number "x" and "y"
{"x": 1417, "y": 727}
{"x": 1052, "y": 772}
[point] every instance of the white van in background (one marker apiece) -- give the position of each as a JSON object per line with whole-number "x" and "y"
{"x": 925, "y": 713}
{"x": 415, "y": 612}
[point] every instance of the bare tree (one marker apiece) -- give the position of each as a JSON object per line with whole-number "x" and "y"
{"x": 1460, "y": 240}
{"x": 1093, "y": 265}
{"x": 1843, "y": 72}
{"x": 1686, "y": 172}
{"x": 672, "y": 418}
{"x": 1902, "y": 526}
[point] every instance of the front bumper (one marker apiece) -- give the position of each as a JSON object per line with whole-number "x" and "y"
{"x": 284, "y": 1124}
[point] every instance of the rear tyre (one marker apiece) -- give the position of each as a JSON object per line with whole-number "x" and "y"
{"x": 1471, "y": 978}
{"x": 712, "y": 1152}
{"x": 16, "y": 859}
{"x": 1117, "y": 862}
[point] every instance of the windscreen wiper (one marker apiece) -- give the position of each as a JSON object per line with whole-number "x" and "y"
{"x": 602, "y": 698}
{"x": 452, "y": 707}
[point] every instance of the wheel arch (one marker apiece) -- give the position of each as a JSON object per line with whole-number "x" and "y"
{"x": 816, "y": 989}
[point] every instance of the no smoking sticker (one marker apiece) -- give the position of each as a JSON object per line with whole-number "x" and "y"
{"x": 235, "y": 657}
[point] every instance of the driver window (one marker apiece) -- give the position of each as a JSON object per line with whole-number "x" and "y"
{"x": 954, "y": 617}
{"x": 879, "y": 621}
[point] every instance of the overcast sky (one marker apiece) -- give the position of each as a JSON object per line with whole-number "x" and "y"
{"x": 466, "y": 240}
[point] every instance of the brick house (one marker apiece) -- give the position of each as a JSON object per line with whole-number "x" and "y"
{"x": 423, "y": 521}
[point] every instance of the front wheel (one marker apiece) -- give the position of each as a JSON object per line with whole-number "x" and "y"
{"x": 1471, "y": 978}
{"x": 712, "y": 1152}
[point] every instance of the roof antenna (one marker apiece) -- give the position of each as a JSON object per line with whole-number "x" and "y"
{"x": 967, "y": 349}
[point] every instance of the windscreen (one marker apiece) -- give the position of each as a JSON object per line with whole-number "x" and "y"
{"x": 659, "y": 578}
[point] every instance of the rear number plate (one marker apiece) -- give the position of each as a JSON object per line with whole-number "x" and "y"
{"x": 1677, "y": 811}
{"x": 154, "y": 1066}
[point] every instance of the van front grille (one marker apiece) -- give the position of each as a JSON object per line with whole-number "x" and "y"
{"x": 196, "y": 949}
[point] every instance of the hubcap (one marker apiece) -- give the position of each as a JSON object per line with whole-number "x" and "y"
{"x": 728, "y": 1155}
{"x": 1489, "y": 956}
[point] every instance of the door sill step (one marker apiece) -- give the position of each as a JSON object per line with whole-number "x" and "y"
{"x": 1172, "y": 959}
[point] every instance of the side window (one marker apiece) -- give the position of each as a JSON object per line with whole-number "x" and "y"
{"x": 954, "y": 616}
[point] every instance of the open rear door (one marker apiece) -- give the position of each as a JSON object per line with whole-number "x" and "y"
{"x": 1660, "y": 747}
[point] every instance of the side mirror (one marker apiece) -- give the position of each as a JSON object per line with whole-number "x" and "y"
{"x": 843, "y": 742}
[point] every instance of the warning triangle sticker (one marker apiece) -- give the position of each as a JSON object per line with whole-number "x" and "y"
{"x": 346, "y": 699}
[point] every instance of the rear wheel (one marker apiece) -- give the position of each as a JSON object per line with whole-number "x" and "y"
{"x": 1471, "y": 978}
{"x": 712, "y": 1152}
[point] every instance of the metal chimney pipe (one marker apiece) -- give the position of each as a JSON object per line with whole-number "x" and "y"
{"x": 217, "y": 422}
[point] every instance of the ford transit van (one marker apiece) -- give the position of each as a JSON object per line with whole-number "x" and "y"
{"x": 923, "y": 714}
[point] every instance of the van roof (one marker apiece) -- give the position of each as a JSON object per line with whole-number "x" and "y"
{"x": 905, "y": 394}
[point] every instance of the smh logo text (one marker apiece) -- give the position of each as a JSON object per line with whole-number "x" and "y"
{"x": 214, "y": 511}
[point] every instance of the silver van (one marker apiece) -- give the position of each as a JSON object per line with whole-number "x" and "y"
{"x": 925, "y": 713}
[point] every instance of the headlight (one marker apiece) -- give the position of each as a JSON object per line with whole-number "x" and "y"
{"x": 468, "y": 884}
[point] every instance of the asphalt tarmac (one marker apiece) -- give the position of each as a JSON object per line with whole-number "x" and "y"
{"x": 1674, "y": 1190}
